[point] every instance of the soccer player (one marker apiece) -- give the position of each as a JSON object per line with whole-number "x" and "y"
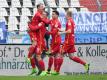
{"x": 33, "y": 25}
{"x": 69, "y": 43}
{"x": 41, "y": 46}
{"x": 55, "y": 44}
{"x": 41, "y": 32}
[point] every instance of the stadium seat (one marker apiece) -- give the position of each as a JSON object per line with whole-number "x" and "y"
{"x": 104, "y": 8}
{"x": 27, "y": 3}
{"x": 26, "y": 12}
{"x": 73, "y": 9}
{"x": 12, "y": 27}
{"x": 12, "y": 20}
{"x": 3, "y": 3}
{"x": 61, "y": 10}
{"x": 75, "y": 3}
{"x": 51, "y": 12}
{"x": 39, "y": 1}
{"x": 34, "y": 10}
{"x": 23, "y": 27}
{"x": 16, "y": 3}
{"x": 90, "y": 4}
{"x": 61, "y": 15}
{"x": 14, "y": 12}
{"x": 23, "y": 23}
{"x": 24, "y": 19}
{"x": 84, "y": 10}
{"x": 103, "y": 5}
{"x": 3, "y": 12}
{"x": 63, "y": 3}
{"x": 51, "y": 3}
{"x": 2, "y": 19}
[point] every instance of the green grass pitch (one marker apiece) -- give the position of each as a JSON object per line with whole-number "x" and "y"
{"x": 63, "y": 77}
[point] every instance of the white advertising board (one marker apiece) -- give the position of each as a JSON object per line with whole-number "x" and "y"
{"x": 12, "y": 59}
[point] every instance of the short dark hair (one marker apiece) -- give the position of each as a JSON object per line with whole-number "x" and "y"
{"x": 38, "y": 5}
{"x": 46, "y": 13}
{"x": 56, "y": 12}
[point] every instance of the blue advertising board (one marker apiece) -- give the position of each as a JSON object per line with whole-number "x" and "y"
{"x": 3, "y": 32}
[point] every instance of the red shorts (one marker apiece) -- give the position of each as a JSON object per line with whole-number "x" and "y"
{"x": 55, "y": 48}
{"x": 68, "y": 48}
{"x": 32, "y": 35}
{"x": 40, "y": 48}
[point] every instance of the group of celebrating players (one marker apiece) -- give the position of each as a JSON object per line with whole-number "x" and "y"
{"x": 37, "y": 31}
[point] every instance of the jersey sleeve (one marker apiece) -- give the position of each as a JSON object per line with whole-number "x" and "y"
{"x": 34, "y": 28}
{"x": 46, "y": 21}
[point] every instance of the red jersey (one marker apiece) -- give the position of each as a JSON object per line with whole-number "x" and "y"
{"x": 41, "y": 30}
{"x": 69, "y": 37}
{"x": 41, "y": 44}
{"x": 55, "y": 26}
{"x": 36, "y": 19}
{"x": 68, "y": 46}
{"x": 34, "y": 24}
{"x": 56, "y": 38}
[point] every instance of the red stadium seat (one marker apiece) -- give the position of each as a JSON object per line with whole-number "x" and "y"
{"x": 103, "y": 5}
{"x": 90, "y": 4}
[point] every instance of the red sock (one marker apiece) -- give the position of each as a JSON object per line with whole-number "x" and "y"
{"x": 55, "y": 64}
{"x": 78, "y": 60}
{"x": 41, "y": 65}
{"x": 59, "y": 64}
{"x": 31, "y": 51}
{"x": 50, "y": 63}
{"x": 33, "y": 62}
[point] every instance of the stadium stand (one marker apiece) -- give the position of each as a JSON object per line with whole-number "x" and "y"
{"x": 16, "y": 3}
{"x": 84, "y": 10}
{"x": 3, "y": 19}
{"x": 23, "y": 23}
{"x": 3, "y": 3}
{"x": 34, "y": 10}
{"x": 39, "y": 1}
{"x": 27, "y": 3}
{"x": 14, "y": 12}
{"x": 20, "y": 12}
{"x": 75, "y": 3}
{"x": 26, "y": 12}
{"x": 12, "y": 20}
{"x": 61, "y": 10}
{"x": 51, "y": 3}
{"x": 63, "y": 3}
{"x": 73, "y": 9}
{"x": 103, "y": 5}
{"x": 12, "y": 27}
{"x": 3, "y": 12}
{"x": 90, "y": 4}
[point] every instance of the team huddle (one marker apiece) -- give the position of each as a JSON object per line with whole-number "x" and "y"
{"x": 37, "y": 32}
